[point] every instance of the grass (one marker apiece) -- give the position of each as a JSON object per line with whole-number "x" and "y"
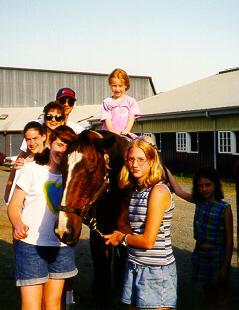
{"x": 4, "y": 168}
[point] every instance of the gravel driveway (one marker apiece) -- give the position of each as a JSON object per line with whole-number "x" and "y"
{"x": 189, "y": 295}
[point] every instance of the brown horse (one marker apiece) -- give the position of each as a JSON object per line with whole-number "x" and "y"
{"x": 91, "y": 196}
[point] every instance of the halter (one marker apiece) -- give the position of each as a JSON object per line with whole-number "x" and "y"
{"x": 82, "y": 212}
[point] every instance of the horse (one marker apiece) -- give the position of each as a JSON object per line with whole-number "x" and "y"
{"x": 91, "y": 196}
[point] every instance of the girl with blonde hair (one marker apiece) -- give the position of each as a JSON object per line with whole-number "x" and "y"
{"x": 150, "y": 276}
{"x": 119, "y": 111}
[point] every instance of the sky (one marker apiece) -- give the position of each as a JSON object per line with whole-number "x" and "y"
{"x": 176, "y": 42}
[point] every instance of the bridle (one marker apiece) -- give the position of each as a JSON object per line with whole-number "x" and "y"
{"x": 84, "y": 211}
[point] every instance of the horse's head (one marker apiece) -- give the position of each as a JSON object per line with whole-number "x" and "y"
{"x": 86, "y": 179}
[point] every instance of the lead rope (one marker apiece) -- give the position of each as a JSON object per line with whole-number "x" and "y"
{"x": 93, "y": 227}
{"x": 93, "y": 222}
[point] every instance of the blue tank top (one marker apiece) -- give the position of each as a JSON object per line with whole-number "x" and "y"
{"x": 161, "y": 253}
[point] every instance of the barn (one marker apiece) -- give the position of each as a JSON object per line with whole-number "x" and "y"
{"x": 24, "y": 92}
{"x": 196, "y": 124}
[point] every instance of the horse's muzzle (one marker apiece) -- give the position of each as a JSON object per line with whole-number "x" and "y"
{"x": 64, "y": 236}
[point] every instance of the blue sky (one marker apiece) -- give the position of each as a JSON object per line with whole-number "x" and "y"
{"x": 173, "y": 41}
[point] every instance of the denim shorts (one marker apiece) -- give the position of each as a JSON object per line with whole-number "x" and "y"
{"x": 150, "y": 287}
{"x": 36, "y": 264}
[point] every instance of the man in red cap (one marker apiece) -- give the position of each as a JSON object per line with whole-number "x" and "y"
{"x": 67, "y": 97}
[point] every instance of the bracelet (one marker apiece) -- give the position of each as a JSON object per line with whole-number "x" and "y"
{"x": 124, "y": 240}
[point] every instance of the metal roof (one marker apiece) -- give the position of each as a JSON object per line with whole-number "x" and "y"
{"x": 219, "y": 91}
{"x": 23, "y": 87}
{"x": 18, "y": 117}
{"x": 69, "y": 71}
{"x": 215, "y": 95}
{"x": 83, "y": 113}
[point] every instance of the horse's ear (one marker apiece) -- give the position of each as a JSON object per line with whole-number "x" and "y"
{"x": 104, "y": 143}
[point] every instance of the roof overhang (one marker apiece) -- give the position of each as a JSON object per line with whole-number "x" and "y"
{"x": 207, "y": 113}
{"x": 191, "y": 114}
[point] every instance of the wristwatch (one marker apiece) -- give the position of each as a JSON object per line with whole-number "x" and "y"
{"x": 124, "y": 240}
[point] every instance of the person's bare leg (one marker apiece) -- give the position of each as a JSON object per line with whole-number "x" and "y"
{"x": 31, "y": 297}
{"x": 52, "y": 293}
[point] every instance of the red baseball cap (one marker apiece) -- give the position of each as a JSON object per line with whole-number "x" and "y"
{"x": 66, "y": 92}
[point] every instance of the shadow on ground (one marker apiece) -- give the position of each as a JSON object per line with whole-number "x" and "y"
{"x": 9, "y": 294}
{"x": 190, "y": 296}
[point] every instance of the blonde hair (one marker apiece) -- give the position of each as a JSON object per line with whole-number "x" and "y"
{"x": 126, "y": 180}
{"x": 150, "y": 141}
{"x": 121, "y": 75}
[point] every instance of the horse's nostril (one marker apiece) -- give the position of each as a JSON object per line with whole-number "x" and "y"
{"x": 67, "y": 238}
{"x": 64, "y": 236}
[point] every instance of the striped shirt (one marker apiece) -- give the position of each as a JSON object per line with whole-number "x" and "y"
{"x": 209, "y": 222}
{"x": 161, "y": 253}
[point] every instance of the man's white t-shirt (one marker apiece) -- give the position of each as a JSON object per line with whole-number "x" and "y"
{"x": 76, "y": 127}
{"x": 41, "y": 204}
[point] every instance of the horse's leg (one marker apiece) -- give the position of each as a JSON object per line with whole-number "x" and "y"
{"x": 105, "y": 280}
{"x": 119, "y": 261}
{"x": 101, "y": 257}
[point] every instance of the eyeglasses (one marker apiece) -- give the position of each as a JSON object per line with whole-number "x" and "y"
{"x": 58, "y": 118}
{"x": 140, "y": 161}
{"x": 70, "y": 101}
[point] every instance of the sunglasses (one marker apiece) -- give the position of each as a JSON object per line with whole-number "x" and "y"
{"x": 70, "y": 101}
{"x": 57, "y": 118}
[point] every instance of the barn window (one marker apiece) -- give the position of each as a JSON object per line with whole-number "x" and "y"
{"x": 3, "y": 116}
{"x": 181, "y": 141}
{"x": 226, "y": 142}
{"x": 156, "y": 139}
{"x": 187, "y": 142}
